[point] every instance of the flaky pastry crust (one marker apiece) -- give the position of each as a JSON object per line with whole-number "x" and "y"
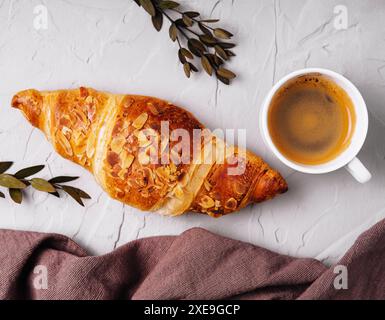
{"x": 103, "y": 132}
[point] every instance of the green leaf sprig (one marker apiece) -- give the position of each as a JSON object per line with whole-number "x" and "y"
{"x": 206, "y": 43}
{"x": 18, "y": 182}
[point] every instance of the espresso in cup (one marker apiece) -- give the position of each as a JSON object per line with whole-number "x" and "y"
{"x": 311, "y": 119}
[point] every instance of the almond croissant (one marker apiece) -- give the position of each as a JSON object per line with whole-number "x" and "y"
{"x": 113, "y": 137}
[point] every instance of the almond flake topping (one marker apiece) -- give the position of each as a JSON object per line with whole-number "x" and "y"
{"x": 207, "y": 202}
{"x": 127, "y": 161}
{"x": 152, "y": 108}
{"x": 143, "y": 140}
{"x": 64, "y": 143}
{"x": 143, "y": 158}
{"x": 140, "y": 121}
{"x": 178, "y": 192}
{"x": 231, "y": 204}
{"x": 117, "y": 144}
{"x": 207, "y": 185}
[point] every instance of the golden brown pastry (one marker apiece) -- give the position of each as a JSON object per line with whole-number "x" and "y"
{"x": 121, "y": 140}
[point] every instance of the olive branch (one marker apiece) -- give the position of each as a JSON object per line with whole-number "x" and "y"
{"x": 204, "y": 42}
{"x": 18, "y": 182}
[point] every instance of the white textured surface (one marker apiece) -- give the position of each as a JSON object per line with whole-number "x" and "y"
{"x": 111, "y": 45}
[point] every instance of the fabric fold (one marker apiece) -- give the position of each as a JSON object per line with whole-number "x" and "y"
{"x": 195, "y": 265}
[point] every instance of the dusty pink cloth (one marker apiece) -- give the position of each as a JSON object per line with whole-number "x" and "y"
{"x": 194, "y": 265}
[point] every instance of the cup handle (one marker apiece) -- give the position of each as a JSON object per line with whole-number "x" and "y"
{"x": 358, "y": 171}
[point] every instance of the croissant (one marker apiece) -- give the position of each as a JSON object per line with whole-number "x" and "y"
{"x": 115, "y": 138}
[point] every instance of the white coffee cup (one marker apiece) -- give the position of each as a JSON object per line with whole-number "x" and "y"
{"x": 348, "y": 158}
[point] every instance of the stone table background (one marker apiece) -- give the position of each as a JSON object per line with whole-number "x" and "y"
{"x": 111, "y": 45}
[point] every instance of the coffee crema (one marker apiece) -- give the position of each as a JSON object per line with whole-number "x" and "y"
{"x": 311, "y": 119}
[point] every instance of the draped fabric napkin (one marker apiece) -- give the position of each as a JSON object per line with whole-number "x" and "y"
{"x": 195, "y": 265}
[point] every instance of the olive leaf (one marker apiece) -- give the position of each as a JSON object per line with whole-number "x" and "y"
{"x": 207, "y": 65}
{"x": 27, "y": 172}
{"x": 210, "y": 20}
{"x": 223, "y": 80}
{"x": 208, "y": 40}
{"x": 218, "y": 61}
{"x": 157, "y": 20}
{"x": 56, "y": 194}
{"x": 76, "y": 194}
{"x": 187, "y": 20}
{"x": 148, "y": 6}
{"x": 168, "y": 5}
{"x": 62, "y": 179}
{"x": 9, "y": 181}
{"x": 196, "y": 47}
{"x": 183, "y": 54}
{"x": 186, "y": 53}
{"x": 230, "y": 53}
{"x": 180, "y": 23}
{"x": 193, "y": 68}
{"x": 4, "y": 166}
{"x": 222, "y": 34}
{"x": 226, "y": 73}
{"x": 16, "y": 195}
{"x": 187, "y": 69}
{"x": 204, "y": 29}
{"x": 81, "y": 193}
{"x": 181, "y": 57}
{"x": 42, "y": 185}
{"x": 173, "y": 32}
{"x": 221, "y": 52}
{"x": 226, "y": 45}
{"x": 197, "y": 44}
{"x": 192, "y": 14}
